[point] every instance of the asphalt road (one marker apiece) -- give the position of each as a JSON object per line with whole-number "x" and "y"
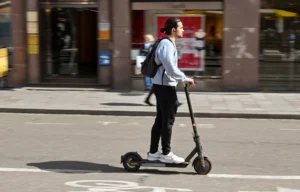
{"x": 69, "y": 153}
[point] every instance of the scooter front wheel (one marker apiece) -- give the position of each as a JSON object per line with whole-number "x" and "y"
{"x": 131, "y": 162}
{"x": 199, "y": 168}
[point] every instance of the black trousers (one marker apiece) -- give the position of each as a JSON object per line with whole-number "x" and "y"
{"x": 166, "y": 109}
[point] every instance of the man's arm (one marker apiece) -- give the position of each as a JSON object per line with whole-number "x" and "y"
{"x": 166, "y": 56}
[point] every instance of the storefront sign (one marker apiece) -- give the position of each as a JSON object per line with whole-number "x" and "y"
{"x": 32, "y": 16}
{"x": 33, "y": 49}
{"x": 104, "y": 58}
{"x": 32, "y": 32}
{"x": 32, "y": 27}
{"x": 190, "y": 55}
{"x": 3, "y": 62}
{"x": 104, "y": 31}
{"x": 33, "y": 40}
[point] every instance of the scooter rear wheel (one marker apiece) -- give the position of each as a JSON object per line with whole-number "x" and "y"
{"x": 132, "y": 163}
{"x": 198, "y": 167}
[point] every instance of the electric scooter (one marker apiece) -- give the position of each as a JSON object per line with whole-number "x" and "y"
{"x": 132, "y": 161}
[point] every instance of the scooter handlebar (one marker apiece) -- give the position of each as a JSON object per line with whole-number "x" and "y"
{"x": 188, "y": 84}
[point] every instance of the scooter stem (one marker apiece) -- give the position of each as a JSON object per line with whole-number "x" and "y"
{"x": 190, "y": 109}
{"x": 196, "y": 136}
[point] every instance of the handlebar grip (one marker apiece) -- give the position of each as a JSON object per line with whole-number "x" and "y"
{"x": 187, "y": 84}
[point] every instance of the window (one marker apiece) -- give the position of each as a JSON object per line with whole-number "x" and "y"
{"x": 5, "y": 28}
{"x": 280, "y": 45}
{"x": 206, "y": 62}
{"x": 5, "y": 23}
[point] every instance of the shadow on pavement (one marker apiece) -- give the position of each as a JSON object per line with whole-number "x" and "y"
{"x": 77, "y": 167}
{"x": 7, "y": 89}
{"x": 124, "y": 104}
{"x": 131, "y": 94}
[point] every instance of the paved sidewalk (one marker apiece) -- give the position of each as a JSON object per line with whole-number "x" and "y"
{"x": 102, "y": 102}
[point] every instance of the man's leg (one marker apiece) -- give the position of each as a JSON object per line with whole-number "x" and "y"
{"x": 148, "y": 83}
{"x": 169, "y": 110}
{"x": 147, "y": 100}
{"x": 156, "y": 130}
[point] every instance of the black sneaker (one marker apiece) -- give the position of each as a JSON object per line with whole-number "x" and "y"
{"x": 148, "y": 102}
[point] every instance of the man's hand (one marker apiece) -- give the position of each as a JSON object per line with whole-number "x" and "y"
{"x": 191, "y": 82}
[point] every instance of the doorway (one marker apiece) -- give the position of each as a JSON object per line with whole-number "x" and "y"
{"x": 74, "y": 42}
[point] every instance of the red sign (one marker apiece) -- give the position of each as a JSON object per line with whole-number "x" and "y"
{"x": 189, "y": 58}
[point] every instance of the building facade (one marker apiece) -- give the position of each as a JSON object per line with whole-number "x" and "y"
{"x": 96, "y": 42}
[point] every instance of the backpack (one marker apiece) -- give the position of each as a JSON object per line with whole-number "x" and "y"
{"x": 144, "y": 51}
{"x": 149, "y": 66}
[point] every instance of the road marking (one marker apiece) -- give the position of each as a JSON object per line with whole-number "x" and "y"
{"x": 140, "y": 174}
{"x": 279, "y": 189}
{"x": 46, "y": 123}
{"x": 22, "y": 170}
{"x": 114, "y": 185}
{"x": 182, "y": 125}
{"x": 257, "y": 191}
{"x": 268, "y": 177}
{"x": 289, "y": 129}
{"x": 206, "y": 126}
{"x": 106, "y": 122}
{"x": 231, "y": 176}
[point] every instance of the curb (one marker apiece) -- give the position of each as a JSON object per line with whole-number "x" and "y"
{"x": 149, "y": 113}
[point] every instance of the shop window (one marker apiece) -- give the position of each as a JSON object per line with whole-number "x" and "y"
{"x": 280, "y": 45}
{"x": 5, "y": 28}
{"x": 137, "y": 28}
{"x": 206, "y": 62}
{"x": 5, "y": 23}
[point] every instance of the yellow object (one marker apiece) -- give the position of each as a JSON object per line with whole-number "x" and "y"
{"x": 33, "y": 49}
{"x": 3, "y": 62}
{"x": 283, "y": 13}
{"x": 192, "y": 12}
{"x": 278, "y": 12}
{"x": 33, "y": 40}
{"x": 104, "y": 35}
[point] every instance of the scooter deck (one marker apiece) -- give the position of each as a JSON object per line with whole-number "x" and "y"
{"x": 147, "y": 163}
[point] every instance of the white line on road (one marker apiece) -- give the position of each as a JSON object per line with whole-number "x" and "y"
{"x": 289, "y": 129}
{"x": 268, "y": 177}
{"x": 22, "y": 170}
{"x": 257, "y": 191}
{"x": 206, "y": 126}
{"x": 279, "y": 189}
{"x": 230, "y": 176}
{"x": 106, "y": 122}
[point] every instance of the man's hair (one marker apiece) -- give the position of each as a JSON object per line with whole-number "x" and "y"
{"x": 169, "y": 25}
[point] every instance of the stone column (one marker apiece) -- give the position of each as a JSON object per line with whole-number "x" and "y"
{"x": 241, "y": 45}
{"x": 17, "y": 77}
{"x": 33, "y": 45}
{"x": 121, "y": 34}
{"x": 104, "y": 42}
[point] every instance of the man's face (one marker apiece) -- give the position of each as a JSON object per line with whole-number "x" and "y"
{"x": 179, "y": 30}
